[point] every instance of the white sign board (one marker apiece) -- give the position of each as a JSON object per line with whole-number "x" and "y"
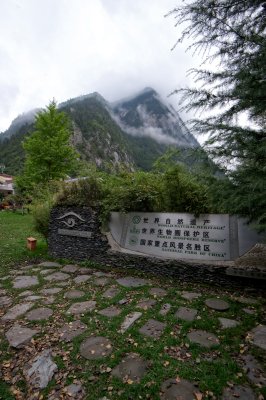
{"x": 178, "y": 235}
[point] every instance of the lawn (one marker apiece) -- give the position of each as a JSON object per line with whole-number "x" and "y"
{"x": 14, "y": 230}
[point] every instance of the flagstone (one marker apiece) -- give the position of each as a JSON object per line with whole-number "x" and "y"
{"x": 63, "y": 283}
{"x": 228, "y": 323}
{"x": 131, "y": 368}
{"x": 41, "y": 370}
{"x": 249, "y": 311}
{"x": 101, "y": 281}
{"x": 129, "y": 321}
{"x": 253, "y": 369}
{"x": 21, "y": 282}
{"x": 122, "y": 302}
{"x": 217, "y": 304}
{"x": 70, "y": 268}
{"x": 5, "y": 301}
{"x": 190, "y": 295}
{"x": 82, "y": 278}
{"x": 100, "y": 274}
{"x": 130, "y": 281}
{"x": 17, "y": 310}
{"x": 33, "y": 297}
{"x": 145, "y": 304}
{"x": 27, "y": 267}
{"x": 203, "y": 338}
{"x": 153, "y": 328}
{"x": 75, "y": 391}
{"x": 84, "y": 270}
{"x": 111, "y": 292}
{"x": 57, "y": 276}
{"x": 110, "y": 312}
{"x": 187, "y": 314}
{"x": 3, "y": 292}
{"x": 18, "y": 335}
{"x": 47, "y": 271}
{"x": 239, "y": 393}
{"x": 49, "y": 264}
{"x": 82, "y": 307}
{"x": 26, "y": 293}
{"x": 49, "y": 300}
{"x": 165, "y": 309}
{"x": 259, "y": 336}
{"x": 39, "y": 314}
{"x": 69, "y": 331}
{"x": 74, "y": 294}
{"x": 53, "y": 290}
{"x": 177, "y": 388}
{"x": 158, "y": 292}
{"x": 246, "y": 300}
{"x": 95, "y": 347}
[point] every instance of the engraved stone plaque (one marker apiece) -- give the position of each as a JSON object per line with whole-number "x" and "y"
{"x": 176, "y": 236}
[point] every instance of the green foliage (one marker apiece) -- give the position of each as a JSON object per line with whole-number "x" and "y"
{"x": 43, "y": 200}
{"x": 11, "y": 152}
{"x": 49, "y": 155}
{"x": 182, "y": 193}
{"x": 127, "y": 192}
{"x": 83, "y": 192}
{"x": 233, "y": 34}
{"x": 41, "y": 215}
{"x": 172, "y": 189}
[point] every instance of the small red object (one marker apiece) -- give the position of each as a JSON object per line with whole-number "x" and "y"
{"x": 31, "y": 243}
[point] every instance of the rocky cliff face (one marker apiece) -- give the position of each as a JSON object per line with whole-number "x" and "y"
{"x": 147, "y": 115}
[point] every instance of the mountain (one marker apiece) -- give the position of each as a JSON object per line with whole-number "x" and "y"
{"x": 146, "y": 114}
{"x": 134, "y": 131}
{"x": 23, "y": 119}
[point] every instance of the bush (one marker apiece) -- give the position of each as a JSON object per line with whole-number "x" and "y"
{"x": 42, "y": 204}
{"x": 41, "y": 215}
{"x": 135, "y": 191}
{"x": 83, "y": 192}
{"x": 182, "y": 193}
{"x": 168, "y": 188}
{"x": 172, "y": 190}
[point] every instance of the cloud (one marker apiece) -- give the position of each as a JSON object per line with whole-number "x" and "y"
{"x": 62, "y": 49}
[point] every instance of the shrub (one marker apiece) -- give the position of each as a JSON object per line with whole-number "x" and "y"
{"x": 127, "y": 192}
{"x": 83, "y": 192}
{"x": 41, "y": 214}
{"x": 182, "y": 193}
{"x": 42, "y": 204}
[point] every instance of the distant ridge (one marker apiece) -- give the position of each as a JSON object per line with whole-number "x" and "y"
{"x": 132, "y": 132}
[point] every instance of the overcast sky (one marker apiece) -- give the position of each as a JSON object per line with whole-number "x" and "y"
{"x": 65, "y": 48}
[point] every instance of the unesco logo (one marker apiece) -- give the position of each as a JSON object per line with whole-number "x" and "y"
{"x": 136, "y": 219}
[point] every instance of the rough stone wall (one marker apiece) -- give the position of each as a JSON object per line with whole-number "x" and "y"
{"x": 97, "y": 249}
{"x": 74, "y": 247}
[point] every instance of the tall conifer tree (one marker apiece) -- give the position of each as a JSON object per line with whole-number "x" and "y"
{"x": 231, "y": 33}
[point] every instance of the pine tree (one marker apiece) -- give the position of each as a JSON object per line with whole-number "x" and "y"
{"x": 231, "y": 33}
{"x": 49, "y": 155}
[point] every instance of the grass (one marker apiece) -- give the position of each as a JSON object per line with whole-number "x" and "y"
{"x": 14, "y": 230}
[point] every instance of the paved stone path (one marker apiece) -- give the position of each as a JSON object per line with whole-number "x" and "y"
{"x": 60, "y": 322}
